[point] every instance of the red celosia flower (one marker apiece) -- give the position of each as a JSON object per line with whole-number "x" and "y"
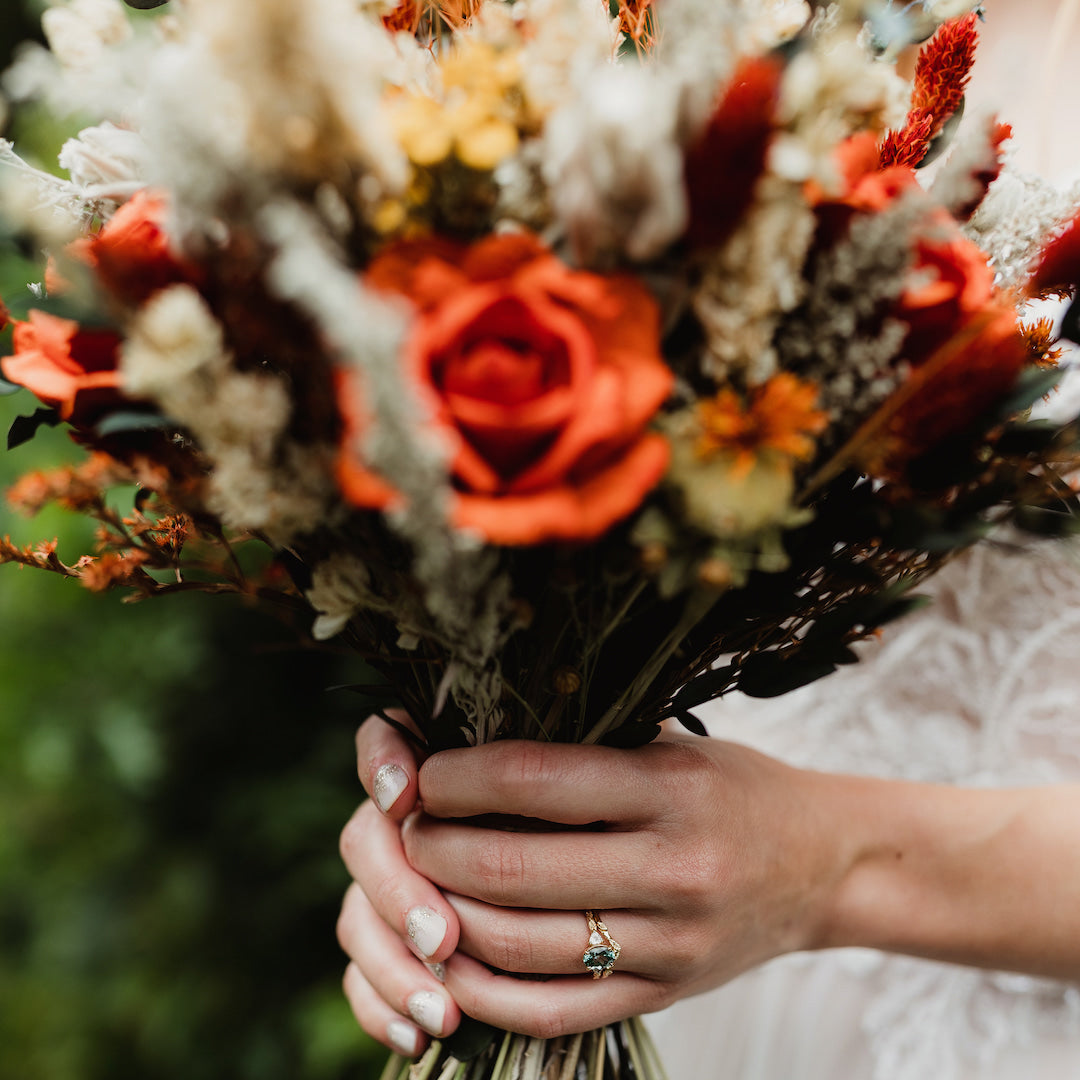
{"x": 67, "y": 367}
{"x": 133, "y": 254}
{"x": 942, "y": 72}
{"x": 543, "y": 379}
{"x": 723, "y": 166}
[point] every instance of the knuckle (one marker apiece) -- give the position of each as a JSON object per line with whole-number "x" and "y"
{"x": 510, "y": 951}
{"x": 549, "y": 1021}
{"x": 351, "y": 841}
{"x": 500, "y": 868}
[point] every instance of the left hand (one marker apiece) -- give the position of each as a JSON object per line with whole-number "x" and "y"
{"x": 703, "y": 858}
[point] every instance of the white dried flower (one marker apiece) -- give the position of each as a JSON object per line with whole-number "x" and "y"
{"x": 79, "y": 32}
{"x": 173, "y": 337}
{"x": 106, "y": 162}
{"x": 340, "y": 585}
{"x": 614, "y": 166}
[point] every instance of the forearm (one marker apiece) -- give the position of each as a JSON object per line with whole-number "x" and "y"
{"x": 981, "y": 877}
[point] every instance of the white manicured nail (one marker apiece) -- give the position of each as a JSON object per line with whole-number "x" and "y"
{"x": 390, "y": 782}
{"x": 428, "y": 1009}
{"x": 426, "y": 929}
{"x": 438, "y": 970}
{"x": 404, "y": 1036}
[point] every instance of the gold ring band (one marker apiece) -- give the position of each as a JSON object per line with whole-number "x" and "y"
{"x": 603, "y": 950}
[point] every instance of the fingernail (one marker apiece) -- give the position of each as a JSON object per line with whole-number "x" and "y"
{"x": 426, "y": 929}
{"x": 404, "y": 1036}
{"x": 428, "y": 1009}
{"x": 438, "y": 970}
{"x": 390, "y": 782}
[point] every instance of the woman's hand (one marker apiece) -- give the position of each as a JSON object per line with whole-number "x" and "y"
{"x": 704, "y": 859}
{"x": 395, "y": 925}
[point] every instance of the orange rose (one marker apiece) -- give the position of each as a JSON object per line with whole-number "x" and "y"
{"x": 71, "y": 369}
{"x": 133, "y": 254}
{"x": 544, "y": 379}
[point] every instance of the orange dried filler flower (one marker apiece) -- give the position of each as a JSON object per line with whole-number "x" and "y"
{"x": 779, "y": 415}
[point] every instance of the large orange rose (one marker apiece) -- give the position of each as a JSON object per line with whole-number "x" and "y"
{"x": 71, "y": 369}
{"x": 544, "y": 380}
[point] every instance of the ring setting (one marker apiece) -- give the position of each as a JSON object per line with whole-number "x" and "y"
{"x": 603, "y": 950}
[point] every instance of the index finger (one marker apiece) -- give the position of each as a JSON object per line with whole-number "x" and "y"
{"x": 387, "y": 764}
{"x": 558, "y": 782}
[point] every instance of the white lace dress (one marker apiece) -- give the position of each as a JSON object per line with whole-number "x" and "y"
{"x": 980, "y": 689}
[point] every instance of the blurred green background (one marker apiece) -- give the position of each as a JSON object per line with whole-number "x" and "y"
{"x": 173, "y": 779}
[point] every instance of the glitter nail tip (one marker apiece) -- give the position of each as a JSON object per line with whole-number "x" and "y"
{"x": 390, "y": 782}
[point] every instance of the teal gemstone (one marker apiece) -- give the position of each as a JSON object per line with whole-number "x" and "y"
{"x": 599, "y": 958}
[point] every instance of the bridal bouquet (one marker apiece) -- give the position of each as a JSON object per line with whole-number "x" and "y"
{"x": 574, "y": 363}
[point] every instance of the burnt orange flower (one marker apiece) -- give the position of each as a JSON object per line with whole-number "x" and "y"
{"x": 974, "y": 368}
{"x": 133, "y": 255}
{"x": 724, "y": 164}
{"x": 1058, "y": 268}
{"x": 71, "y": 369}
{"x": 544, "y": 380}
{"x": 780, "y": 415}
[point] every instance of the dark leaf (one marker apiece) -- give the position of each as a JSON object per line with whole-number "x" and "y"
{"x": 470, "y": 1039}
{"x": 1032, "y": 384}
{"x": 368, "y": 689}
{"x": 24, "y": 428}
{"x": 632, "y": 735}
{"x": 400, "y": 728}
{"x": 690, "y": 722}
{"x": 704, "y": 688}
{"x": 1042, "y": 521}
{"x": 296, "y": 568}
{"x": 145, "y": 5}
{"x": 129, "y": 420}
{"x": 768, "y": 675}
{"x": 939, "y": 144}
{"x": 1070, "y": 325}
{"x": 142, "y": 497}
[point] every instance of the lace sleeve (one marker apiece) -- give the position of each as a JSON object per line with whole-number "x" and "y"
{"x": 981, "y": 688}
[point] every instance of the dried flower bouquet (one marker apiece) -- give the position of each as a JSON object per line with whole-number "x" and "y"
{"x": 575, "y": 364}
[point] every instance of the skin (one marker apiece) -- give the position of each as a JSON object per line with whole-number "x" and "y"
{"x": 705, "y": 859}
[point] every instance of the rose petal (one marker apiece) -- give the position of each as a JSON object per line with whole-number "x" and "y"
{"x": 568, "y": 512}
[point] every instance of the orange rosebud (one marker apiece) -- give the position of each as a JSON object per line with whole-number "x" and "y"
{"x": 133, "y": 254}
{"x": 544, "y": 380}
{"x": 71, "y": 369}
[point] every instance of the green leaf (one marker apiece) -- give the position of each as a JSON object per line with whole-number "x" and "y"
{"x": 129, "y": 420}
{"x": 7, "y": 388}
{"x": 24, "y": 428}
{"x": 1032, "y": 384}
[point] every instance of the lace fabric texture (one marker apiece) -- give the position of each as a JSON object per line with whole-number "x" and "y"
{"x": 980, "y": 689}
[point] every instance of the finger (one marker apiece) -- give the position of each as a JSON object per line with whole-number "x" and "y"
{"x": 405, "y": 900}
{"x": 565, "y": 783}
{"x": 555, "y": 942}
{"x": 377, "y": 1018}
{"x": 531, "y": 870}
{"x": 546, "y": 1010}
{"x": 387, "y": 764}
{"x": 401, "y": 980}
